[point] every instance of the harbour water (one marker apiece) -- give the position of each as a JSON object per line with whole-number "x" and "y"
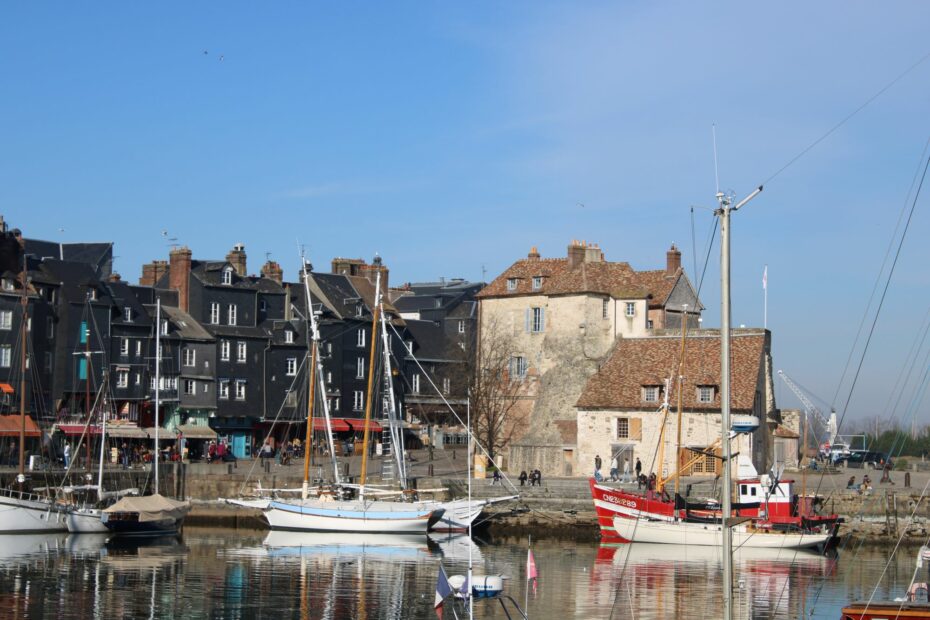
{"x": 226, "y": 573}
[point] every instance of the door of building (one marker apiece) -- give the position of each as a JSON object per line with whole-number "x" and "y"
{"x": 568, "y": 461}
{"x": 239, "y": 445}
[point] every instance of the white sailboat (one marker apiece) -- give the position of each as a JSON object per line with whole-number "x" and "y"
{"x": 326, "y": 513}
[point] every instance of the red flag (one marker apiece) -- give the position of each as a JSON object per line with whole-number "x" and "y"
{"x": 531, "y": 572}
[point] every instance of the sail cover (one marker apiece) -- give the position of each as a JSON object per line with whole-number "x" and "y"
{"x": 151, "y": 507}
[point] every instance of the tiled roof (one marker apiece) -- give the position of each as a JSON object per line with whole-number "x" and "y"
{"x": 637, "y": 362}
{"x": 618, "y": 280}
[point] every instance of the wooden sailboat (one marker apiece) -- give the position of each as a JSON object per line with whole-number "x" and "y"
{"x": 329, "y": 512}
{"x": 914, "y": 605}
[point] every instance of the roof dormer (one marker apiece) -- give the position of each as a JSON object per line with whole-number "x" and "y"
{"x": 227, "y": 275}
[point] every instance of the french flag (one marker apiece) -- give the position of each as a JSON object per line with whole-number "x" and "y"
{"x": 531, "y": 572}
{"x": 443, "y": 589}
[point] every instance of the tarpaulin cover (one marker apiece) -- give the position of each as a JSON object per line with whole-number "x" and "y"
{"x": 151, "y": 507}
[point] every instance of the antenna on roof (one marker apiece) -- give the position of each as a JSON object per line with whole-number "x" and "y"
{"x": 484, "y": 272}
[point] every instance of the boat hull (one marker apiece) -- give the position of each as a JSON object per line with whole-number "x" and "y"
{"x": 21, "y": 515}
{"x": 372, "y": 517}
{"x": 881, "y": 610}
{"x": 711, "y": 535}
{"x": 86, "y": 521}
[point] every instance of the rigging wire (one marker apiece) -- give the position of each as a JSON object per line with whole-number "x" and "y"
{"x": 845, "y": 119}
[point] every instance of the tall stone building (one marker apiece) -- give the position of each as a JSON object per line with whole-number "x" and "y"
{"x": 561, "y": 318}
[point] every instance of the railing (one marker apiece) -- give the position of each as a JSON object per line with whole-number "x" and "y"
{"x": 29, "y": 497}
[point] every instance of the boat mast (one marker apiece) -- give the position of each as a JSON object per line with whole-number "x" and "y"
{"x": 103, "y": 437}
{"x": 471, "y": 439}
{"x": 660, "y": 476}
{"x": 723, "y": 212}
{"x": 157, "y": 380}
{"x": 397, "y": 435}
{"x": 371, "y": 376}
{"x": 681, "y": 385}
{"x": 24, "y": 334}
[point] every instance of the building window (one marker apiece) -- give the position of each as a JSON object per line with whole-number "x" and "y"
{"x": 124, "y": 346}
{"x": 360, "y": 368}
{"x": 231, "y": 314}
{"x": 224, "y": 350}
{"x": 605, "y": 304}
{"x": 358, "y": 400}
{"x": 446, "y": 385}
{"x": 511, "y": 284}
{"x": 288, "y": 336}
{"x": 651, "y": 393}
{"x": 335, "y": 405}
{"x": 224, "y": 389}
{"x": 127, "y": 315}
{"x": 190, "y": 387}
{"x": 409, "y": 344}
{"x": 262, "y": 306}
{"x": 164, "y": 328}
{"x": 518, "y": 367}
{"x": 705, "y": 393}
{"x": 6, "y": 319}
{"x": 461, "y": 327}
{"x": 360, "y": 338}
{"x": 138, "y": 347}
{"x": 214, "y": 313}
{"x": 50, "y": 327}
{"x": 630, "y": 308}
{"x": 649, "y": 324}
{"x": 92, "y": 295}
{"x": 241, "y": 352}
{"x": 329, "y": 376}
{"x": 291, "y": 366}
{"x": 623, "y": 428}
{"x": 358, "y": 309}
{"x": 416, "y": 383}
{"x": 537, "y": 283}
{"x": 206, "y": 388}
{"x": 8, "y": 285}
{"x": 537, "y": 320}
{"x": 122, "y": 378}
{"x": 190, "y": 357}
{"x": 227, "y": 276}
{"x": 240, "y": 389}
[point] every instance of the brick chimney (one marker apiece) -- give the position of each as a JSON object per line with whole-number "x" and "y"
{"x": 347, "y": 266}
{"x": 534, "y": 254}
{"x": 593, "y": 253}
{"x": 153, "y": 272}
{"x": 273, "y": 271}
{"x": 236, "y": 258}
{"x": 179, "y": 275}
{"x": 576, "y": 253}
{"x": 115, "y": 277}
{"x": 672, "y": 261}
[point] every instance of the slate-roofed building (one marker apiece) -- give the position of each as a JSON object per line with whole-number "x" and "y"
{"x": 561, "y": 318}
{"x": 618, "y": 412}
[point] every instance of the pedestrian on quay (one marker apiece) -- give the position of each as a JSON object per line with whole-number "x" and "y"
{"x": 538, "y": 475}
{"x": 614, "y": 469}
{"x": 496, "y": 478}
{"x": 264, "y": 453}
{"x": 639, "y": 468}
{"x": 67, "y": 454}
{"x": 626, "y": 471}
{"x": 597, "y": 462}
{"x": 523, "y": 478}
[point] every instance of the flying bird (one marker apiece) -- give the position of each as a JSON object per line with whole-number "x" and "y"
{"x": 580, "y": 204}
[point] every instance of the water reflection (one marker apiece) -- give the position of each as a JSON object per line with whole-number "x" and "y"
{"x": 241, "y": 574}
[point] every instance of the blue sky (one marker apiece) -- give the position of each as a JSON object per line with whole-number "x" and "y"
{"x": 451, "y": 138}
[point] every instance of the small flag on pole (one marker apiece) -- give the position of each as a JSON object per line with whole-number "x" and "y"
{"x": 443, "y": 589}
{"x": 531, "y": 572}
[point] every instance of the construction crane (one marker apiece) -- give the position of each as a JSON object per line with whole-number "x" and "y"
{"x": 828, "y": 424}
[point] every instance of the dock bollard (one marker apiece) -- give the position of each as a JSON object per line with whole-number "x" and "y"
{"x": 907, "y": 480}
{"x": 229, "y": 469}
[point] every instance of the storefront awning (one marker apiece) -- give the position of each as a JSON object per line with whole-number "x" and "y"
{"x": 339, "y": 425}
{"x": 126, "y": 431}
{"x": 11, "y": 425}
{"x": 163, "y": 434}
{"x": 78, "y": 429}
{"x": 191, "y": 431}
{"x": 359, "y": 425}
{"x": 6, "y": 388}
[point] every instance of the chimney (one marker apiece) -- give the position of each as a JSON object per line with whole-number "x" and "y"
{"x": 593, "y": 253}
{"x": 347, "y": 266}
{"x": 672, "y": 261}
{"x": 371, "y": 272}
{"x": 288, "y": 314}
{"x": 115, "y": 277}
{"x": 534, "y": 254}
{"x": 273, "y": 271}
{"x": 236, "y": 258}
{"x": 153, "y": 272}
{"x": 576, "y": 253}
{"x": 179, "y": 275}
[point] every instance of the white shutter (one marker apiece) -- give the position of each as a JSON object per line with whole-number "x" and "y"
{"x": 529, "y": 317}
{"x": 542, "y": 319}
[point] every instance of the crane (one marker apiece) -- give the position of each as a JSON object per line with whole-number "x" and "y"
{"x": 829, "y": 424}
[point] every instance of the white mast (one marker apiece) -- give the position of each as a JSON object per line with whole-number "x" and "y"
{"x": 103, "y": 438}
{"x": 397, "y": 435}
{"x": 157, "y": 380}
{"x": 471, "y": 602}
{"x": 723, "y": 212}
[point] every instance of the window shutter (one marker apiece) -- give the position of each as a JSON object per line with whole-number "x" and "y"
{"x": 542, "y": 319}
{"x": 636, "y": 428}
{"x": 529, "y": 317}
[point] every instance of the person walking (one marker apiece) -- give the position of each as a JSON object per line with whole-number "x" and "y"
{"x": 626, "y": 471}
{"x": 597, "y": 462}
{"x": 639, "y": 468}
{"x": 614, "y": 469}
{"x": 523, "y": 477}
{"x": 67, "y": 454}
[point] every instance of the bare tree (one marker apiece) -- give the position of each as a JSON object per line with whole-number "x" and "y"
{"x": 496, "y": 387}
